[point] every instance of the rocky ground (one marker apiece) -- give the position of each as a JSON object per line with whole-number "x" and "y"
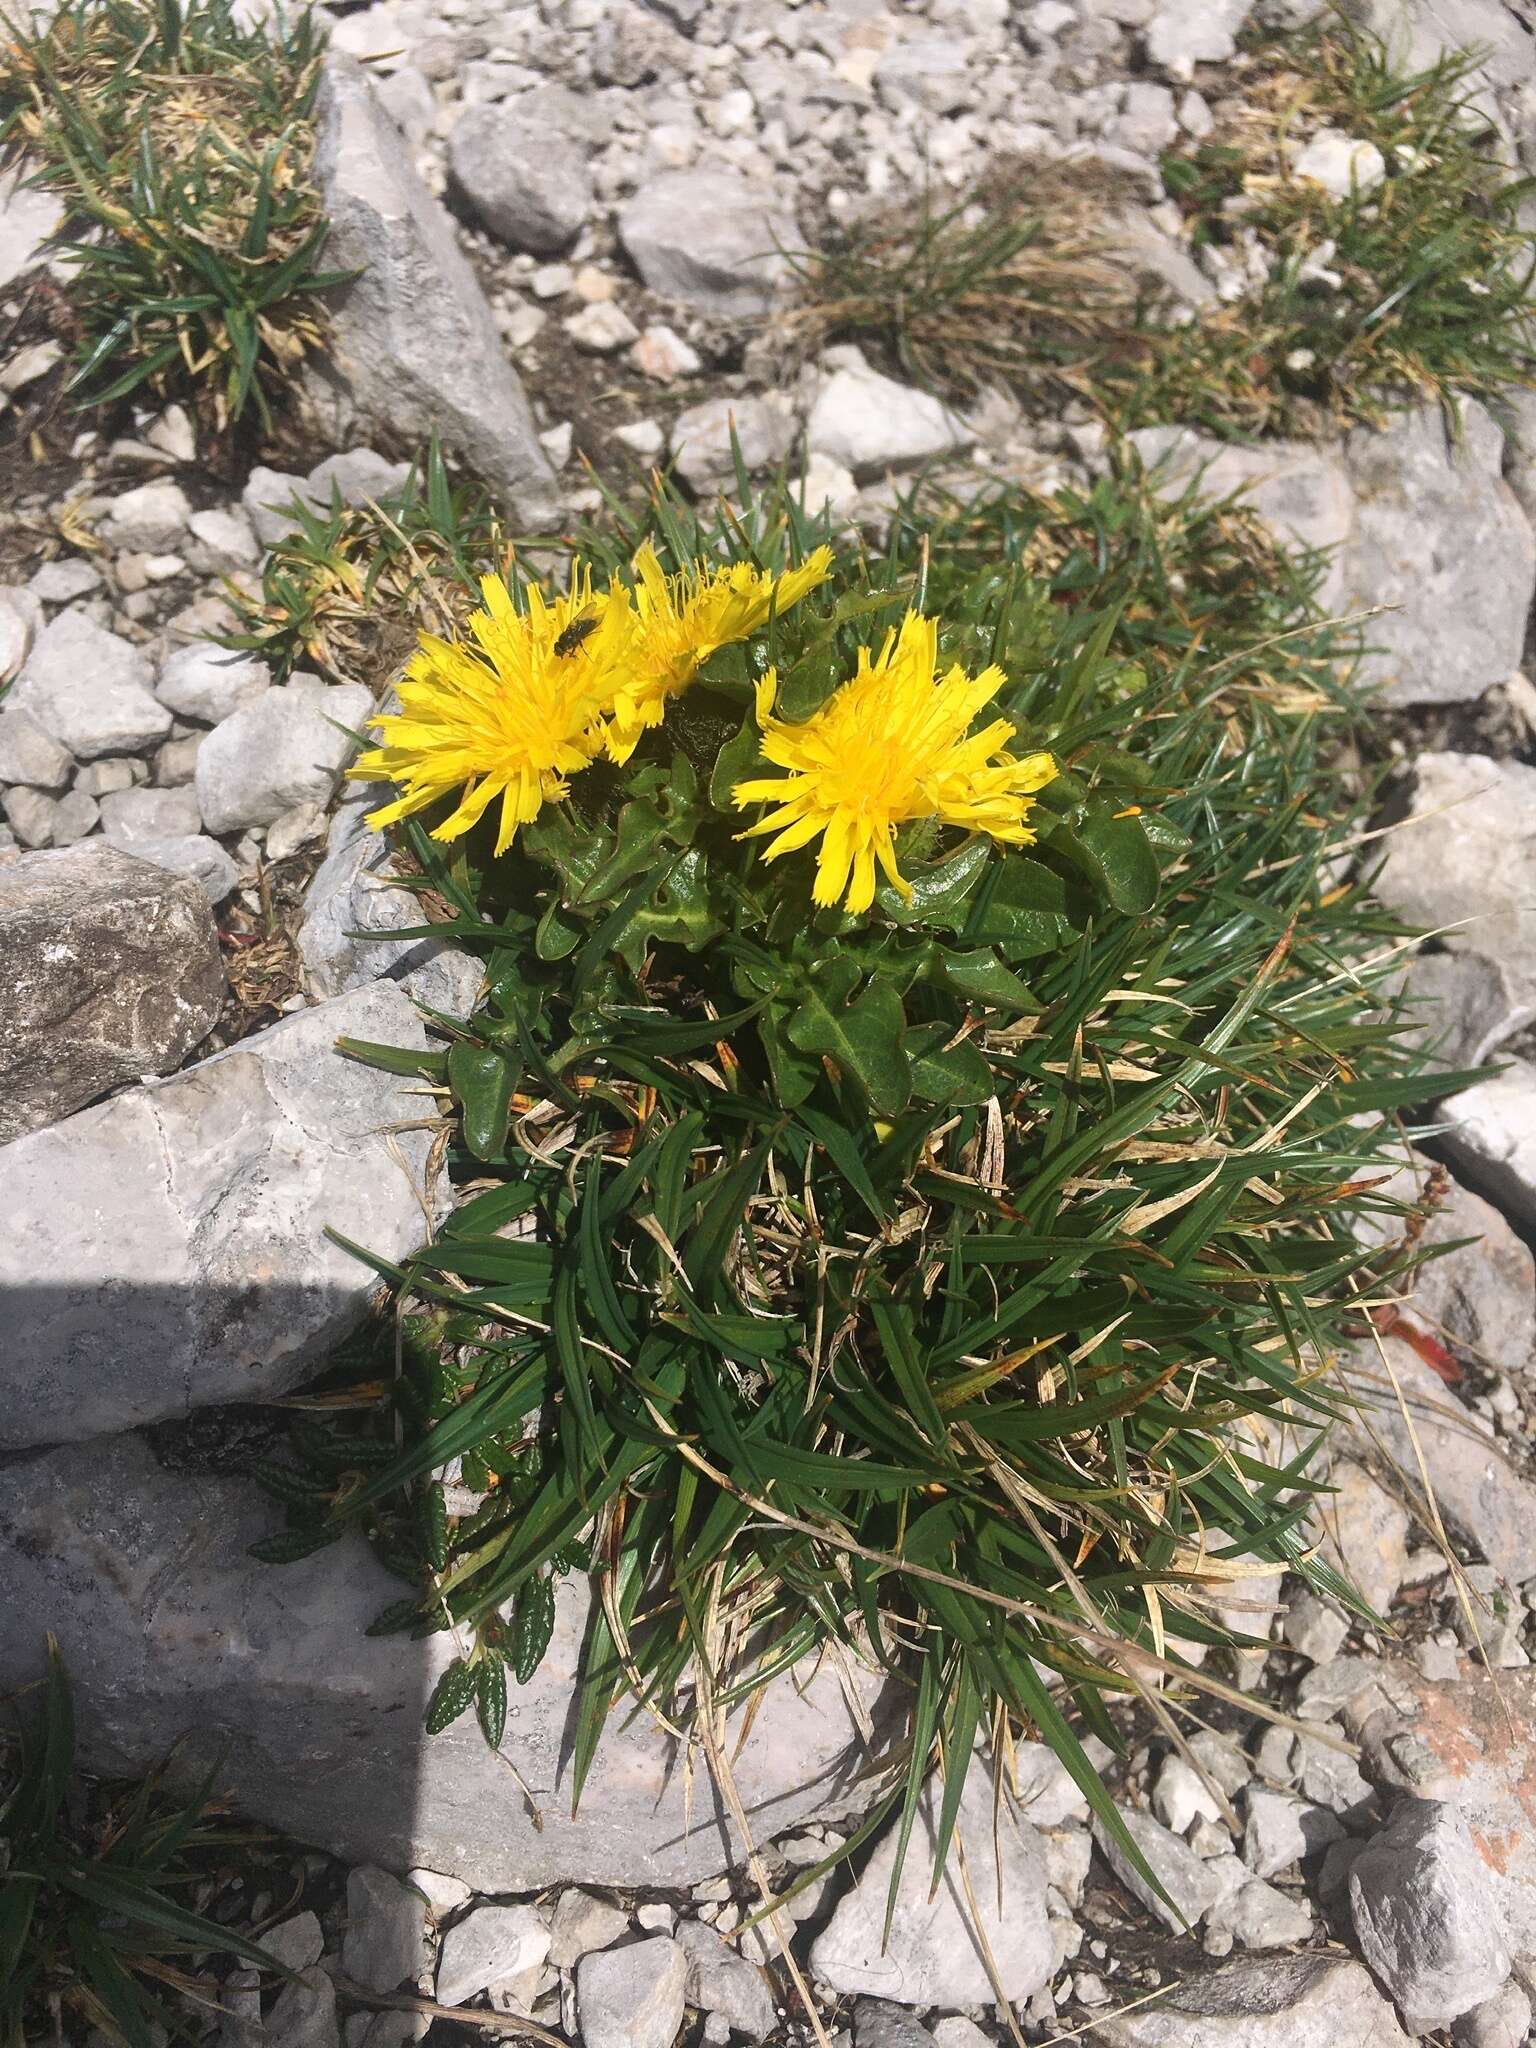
{"x": 569, "y": 213}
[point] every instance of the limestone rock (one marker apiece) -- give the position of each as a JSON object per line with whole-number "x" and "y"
{"x": 527, "y": 183}
{"x": 149, "y": 519}
{"x": 933, "y": 1956}
{"x": 710, "y": 238}
{"x": 869, "y": 423}
{"x": 582, "y": 1923}
{"x": 1306, "y": 2001}
{"x": 1468, "y": 845}
{"x": 1364, "y": 1533}
{"x": 1427, "y": 1917}
{"x": 413, "y": 335}
{"x": 1477, "y": 1489}
{"x": 355, "y": 890}
{"x": 1184, "y": 1876}
{"x": 27, "y": 218}
{"x": 199, "y": 858}
{"x": 112, "y": 970}
{"x": 30, "y": 754}
{"x": 281, "y": 749}
{"x": 1472, "y": 1743}
{"x": 1439, "y": 535}
{"x": 721, "y": 1980}
{"x": 131, "y": 816}
{"x": 387, "y": 1944}
{"x": 90, "y": 690}
{"x": 488, "y": 1946}
{"x": 305, "y": 2013}
{"x": 764, "y": 428}
{"x": 171, "y": 1628}
{"x": 1298, "y": 488}
{"x": 1281, "y": 1830}
{"x": 182, "y": 1224}
{"x": 1183, "y": 33}
{"x": 632, "y": 1997}
{"x": 1492, "y": 1138}
{"x": 207, "y": 682}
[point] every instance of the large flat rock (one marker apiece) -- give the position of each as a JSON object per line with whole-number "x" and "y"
{"x": 170, "y": 1629}
{"x": 111, "y": 970}
{"x": 166, "y": 1250}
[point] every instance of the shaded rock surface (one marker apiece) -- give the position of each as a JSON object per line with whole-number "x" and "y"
{"x": 710, "y": 238}
{"x": 170, "y": 1628}
{"x": 191, "y": 1265}
{"x": 111, "y": 970}
{"x": 1306, "y": 2001}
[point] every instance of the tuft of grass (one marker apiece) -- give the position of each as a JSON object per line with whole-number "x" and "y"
{"x": 1419, "y": 286}
{"x": 1413, "y": 288}
{"x": 92, "y": 1883}
{"x": 960, "y": 1286}
{"x": 349, "y": 589}
{"x": 181, "y": 144}
{"x": 1013, "y": 284}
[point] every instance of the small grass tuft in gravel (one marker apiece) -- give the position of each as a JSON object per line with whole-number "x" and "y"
{"x": 181, "y": 144}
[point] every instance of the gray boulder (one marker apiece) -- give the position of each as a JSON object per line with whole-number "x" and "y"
{"x": 1492, "y": 1139}
{"x": 170, "y": 1628}
{"x": 710, "y": 238}
{"x": 1306, "y": 2001}
{"x": 196, "y": 856}
{"x": 414, "y": 340}
{"x": 527, "y": 183}
{"x": 112, "y": 971}
{"x": 763, "y": 426}
{"x": 721, "y": 1980}
{"x": 1439, "y": 536}
{"x": 632, "y": 1997}
{"x": 1184, "y": 1876}
{"x": 1427, "y": 1917}
{"x": 1463, "y": 866}
{"x": 30, "y": 754}
{"x": 388, "y": 1942}
{"x": 1476, "y": 1487}
{"x": 181, "y": 1226}
{"x": 207, "y": 682}
{"x": 869, "y": 423}
{"x": 356, "y": 889}
{"x": 131, "y": 816}
{"x": 90, "y": 690}
{"x": 934, "y": 1955}
{"x": 285, "y": 747}
{"x": 1414, "y": 522}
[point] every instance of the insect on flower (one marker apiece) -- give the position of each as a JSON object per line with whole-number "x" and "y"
{"x": 575, "y": 633}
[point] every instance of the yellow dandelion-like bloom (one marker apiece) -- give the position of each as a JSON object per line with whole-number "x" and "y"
{"x": 511, "y": 716}
{"x": 679, "y": 622}
{"x": 888, "y": 747}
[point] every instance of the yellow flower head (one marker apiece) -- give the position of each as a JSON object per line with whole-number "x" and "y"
{"x": 888, "y": 747}
{"x": 679, "y": 622}
{"x": 511, "y": 716}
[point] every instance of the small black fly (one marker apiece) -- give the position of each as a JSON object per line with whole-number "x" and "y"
{"x": 574, "y": 634}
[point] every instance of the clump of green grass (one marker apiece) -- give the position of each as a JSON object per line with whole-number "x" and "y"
{"x": 1012, "y": 284}
{"x": 181, "y": 145}
{"x": 1414, "y": 287}
{"x": 1417, "y": 286}
{"x": 942, "y": 1282}
{"x": 348, "y": 590}
{"x": 93, "y": 1884}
